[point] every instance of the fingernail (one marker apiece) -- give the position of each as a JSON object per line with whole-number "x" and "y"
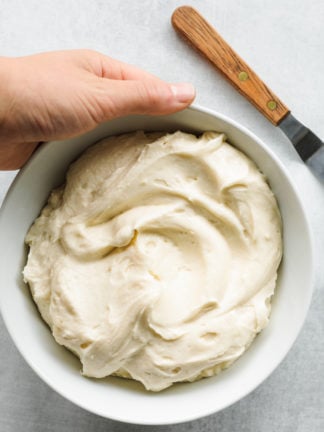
{"x": 183, "y": 92}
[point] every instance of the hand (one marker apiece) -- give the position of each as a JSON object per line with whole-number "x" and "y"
{"x": 66, "y": 93}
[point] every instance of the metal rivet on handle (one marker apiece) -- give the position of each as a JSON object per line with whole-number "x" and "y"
{"x": 243, "y": 76}
{"x": 272, "y": 105}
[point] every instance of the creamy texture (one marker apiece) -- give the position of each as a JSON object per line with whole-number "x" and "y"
{"x": 158, "y": 258}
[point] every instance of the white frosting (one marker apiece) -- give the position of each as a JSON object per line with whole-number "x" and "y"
{"x": 158, "y": 258}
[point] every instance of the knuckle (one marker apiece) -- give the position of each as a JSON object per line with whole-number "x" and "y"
{"x": 155, "y": 95}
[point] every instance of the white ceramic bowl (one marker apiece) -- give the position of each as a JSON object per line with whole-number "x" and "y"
{"x": 126, "y": 400}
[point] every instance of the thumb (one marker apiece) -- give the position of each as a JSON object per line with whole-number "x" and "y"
{"x": 120, "y": 98}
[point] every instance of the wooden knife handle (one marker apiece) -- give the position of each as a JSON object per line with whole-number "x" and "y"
{"x": 189, "y": 23}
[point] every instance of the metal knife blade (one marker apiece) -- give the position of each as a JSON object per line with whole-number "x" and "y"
{"x": 304, "y": 140}
{"x": 316, "y": 163}
{"x": 309, "y": 147}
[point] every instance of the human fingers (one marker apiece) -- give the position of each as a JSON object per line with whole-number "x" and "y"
{"x": 118, "y": 70}
{"x": 118, "y": 98}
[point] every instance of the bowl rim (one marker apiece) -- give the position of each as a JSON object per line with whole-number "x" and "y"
{"x": 203, "y": 412}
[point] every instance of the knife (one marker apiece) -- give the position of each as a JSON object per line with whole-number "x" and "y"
{"x": 189, "y": 23}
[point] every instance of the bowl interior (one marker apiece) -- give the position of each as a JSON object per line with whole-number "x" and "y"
{"x": 123, "y": 399}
